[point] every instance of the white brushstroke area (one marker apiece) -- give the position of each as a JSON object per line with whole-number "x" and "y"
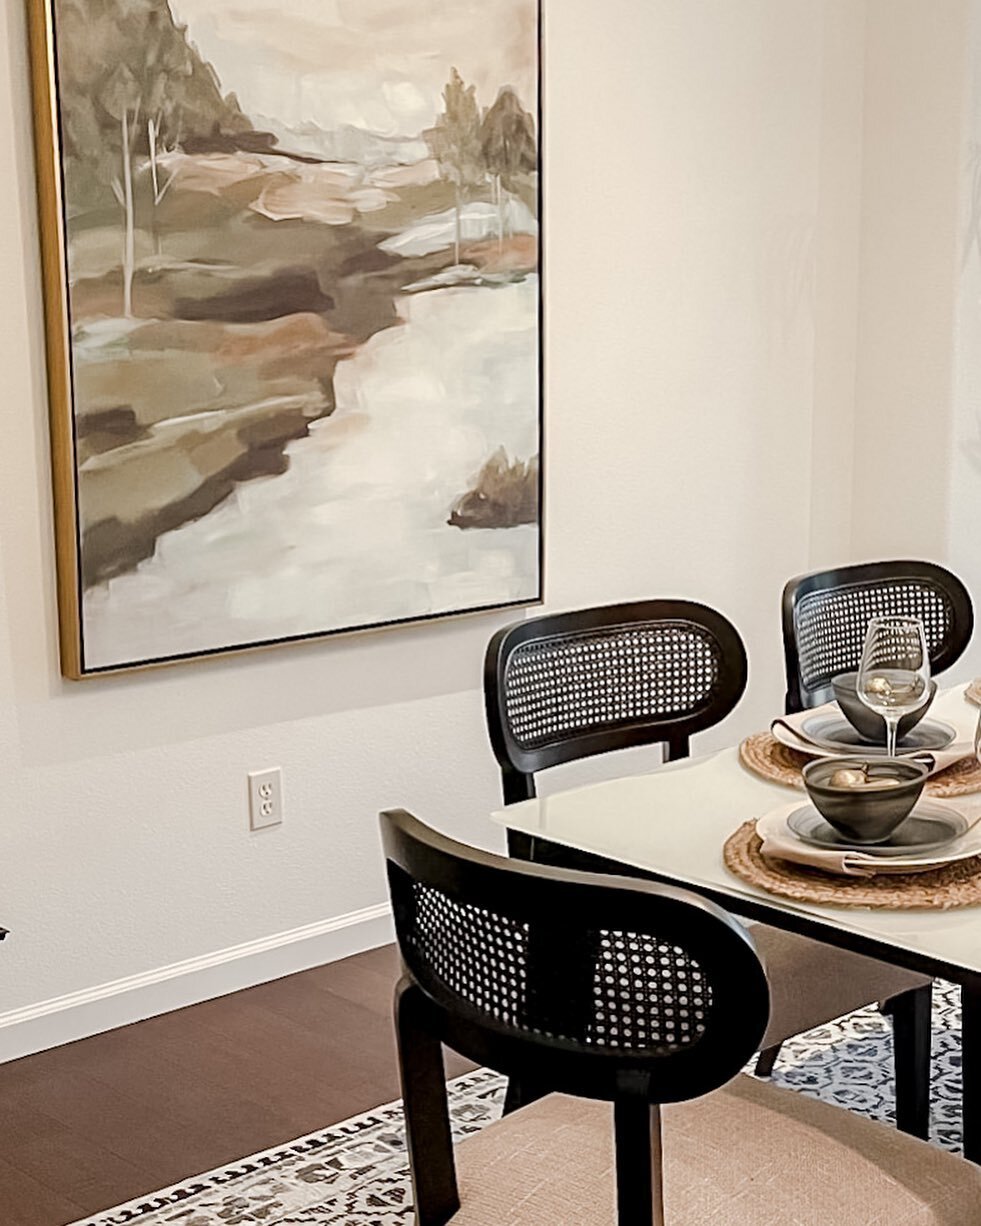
{"x": 478, "y": 221}
{"x": 355, "y": 532}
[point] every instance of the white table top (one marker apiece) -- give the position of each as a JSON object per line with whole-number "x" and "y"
{"x": 675, "y": 820}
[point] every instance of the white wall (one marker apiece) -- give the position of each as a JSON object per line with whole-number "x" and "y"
{"x": 836, "y": 292}
{"x": 910, "y": 254}
{"x": 681, "y": 297}
{"x": 964, "y": 490}
{"x": 918, "y": 371}
{"x": 699, "y": 153}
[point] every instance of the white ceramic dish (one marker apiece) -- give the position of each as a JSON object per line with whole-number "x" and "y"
{"x": 775, "y": 825}
{"x": 830, "y": 734}
{"x": 930, "y": 828}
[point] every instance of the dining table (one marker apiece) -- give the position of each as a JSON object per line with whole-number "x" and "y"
{"x": 670, "y": 825}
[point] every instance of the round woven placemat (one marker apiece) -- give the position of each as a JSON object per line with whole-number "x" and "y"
{"x": 939, "y": 889}
{"x": 772, "y": 760}
{"x": 973, "y": 691}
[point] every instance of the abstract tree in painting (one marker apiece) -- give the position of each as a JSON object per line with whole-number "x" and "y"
{"x": 456, "y": 143}
{"x": 302, "y": 267}
{"x": 130, "y": 84}
{"x": 507, "y": 141}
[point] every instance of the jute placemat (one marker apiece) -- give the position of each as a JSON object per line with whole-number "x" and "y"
{"x": 772, "y": 760}
{"x": 939, "y": 889}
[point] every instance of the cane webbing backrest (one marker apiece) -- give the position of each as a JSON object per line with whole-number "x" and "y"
{"x": 643, "y": 992}
{"x": 596, "y": 679}
{"x": 826, "y": 616}
{"x": 568, "y": 685}
{"x": 590, "y": 964}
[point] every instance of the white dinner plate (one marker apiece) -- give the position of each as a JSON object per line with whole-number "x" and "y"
{"x": 930, "y": 828}
{"x": 827, "y": 734}
{"x": 775, "y": 824}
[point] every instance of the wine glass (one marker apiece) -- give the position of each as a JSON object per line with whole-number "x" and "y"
{"x": 894, "y": 674}
{"x": 977, "y": 740}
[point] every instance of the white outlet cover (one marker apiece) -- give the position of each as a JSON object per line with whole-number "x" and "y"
{"x": 265, "y": 798}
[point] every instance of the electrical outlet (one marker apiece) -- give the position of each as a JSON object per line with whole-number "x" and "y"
{"x": 265, "y": 798}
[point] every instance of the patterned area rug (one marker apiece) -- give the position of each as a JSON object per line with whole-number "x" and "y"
{"x": 356, "y": 1173}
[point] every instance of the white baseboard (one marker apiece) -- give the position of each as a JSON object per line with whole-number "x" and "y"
{"x": 49, "y": 1023}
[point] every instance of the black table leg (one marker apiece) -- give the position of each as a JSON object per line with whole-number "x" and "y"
{"x": 911, "y": 1028}
{"x": 971, "y": 1066}
{"x": 521, "y": 846}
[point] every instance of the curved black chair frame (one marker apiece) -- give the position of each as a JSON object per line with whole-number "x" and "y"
{"x": 825, "y": 616}
{"x": 566, "y": 686}
{"x": 657, "y": 996}
{"x": 570, "y": 685}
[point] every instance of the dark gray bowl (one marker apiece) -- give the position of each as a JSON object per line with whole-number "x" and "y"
{"x": 867, "y": 723}
{"x": 866, "y": 814}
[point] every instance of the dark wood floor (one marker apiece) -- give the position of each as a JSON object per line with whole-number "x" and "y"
{"x": 95, "y": 1123}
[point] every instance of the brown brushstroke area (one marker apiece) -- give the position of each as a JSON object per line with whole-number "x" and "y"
{"x": 251, "y": 447}
{"x": 216, "y": 279}
{"x": 505, "y": 494}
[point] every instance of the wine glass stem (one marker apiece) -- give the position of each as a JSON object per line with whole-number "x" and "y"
{"x": 892, "y": 726}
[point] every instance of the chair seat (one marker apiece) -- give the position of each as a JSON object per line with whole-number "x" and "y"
{"x": 750, "y": 1154}
{"x": 812, "y": 983}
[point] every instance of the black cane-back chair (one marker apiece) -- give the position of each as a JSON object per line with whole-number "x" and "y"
{"x": 657, "y": 997}
{"x": 568, "y": 685}
{"x": 826, "y": 614}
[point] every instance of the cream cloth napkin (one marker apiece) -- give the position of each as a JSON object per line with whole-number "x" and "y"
{"x": 951, "y": 707}
{"x": 781, "y": 843}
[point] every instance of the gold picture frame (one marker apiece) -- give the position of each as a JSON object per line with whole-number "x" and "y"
{"x": 47, "y": 164}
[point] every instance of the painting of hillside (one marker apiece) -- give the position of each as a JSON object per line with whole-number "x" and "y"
{"x": 302, "y": 304}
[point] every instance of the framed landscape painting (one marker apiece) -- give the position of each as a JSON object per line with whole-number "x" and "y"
{"x": 291, "y": 265}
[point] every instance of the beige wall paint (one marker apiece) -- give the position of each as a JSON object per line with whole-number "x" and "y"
{"x": 681, "y": 307}
{"x": 699, "y": 162}
{"x": 964, "y": 489}
{"x": 836, "y": 292}
{"x": 913, "y": 162}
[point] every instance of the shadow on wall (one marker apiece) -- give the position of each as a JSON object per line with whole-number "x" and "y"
{"x": 172, "y": 705}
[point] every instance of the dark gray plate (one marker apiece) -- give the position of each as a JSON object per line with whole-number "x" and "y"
{"x": 835, "y": 730}
{"x": 928, "y": 828}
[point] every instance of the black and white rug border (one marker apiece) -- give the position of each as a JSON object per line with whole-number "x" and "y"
{"x": 376, "y": 1133}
